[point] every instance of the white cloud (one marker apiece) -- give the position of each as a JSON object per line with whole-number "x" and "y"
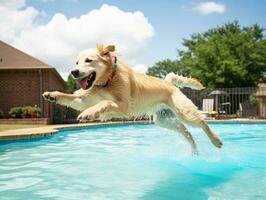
{"x": 58, "y": 41}
{"x": 142, "y": 68}
{"x": 13, "y": 20}
{"x": 209, "y": 7}
{"x": 12, "y": 4}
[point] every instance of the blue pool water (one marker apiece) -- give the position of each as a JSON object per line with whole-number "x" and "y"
{"x": 131, "y": 162}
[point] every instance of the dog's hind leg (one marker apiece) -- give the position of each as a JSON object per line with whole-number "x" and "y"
{"x": 166, "y": 119}
{"x": 188, "y": 113}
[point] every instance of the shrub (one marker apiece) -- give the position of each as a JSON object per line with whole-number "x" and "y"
{"x": 15, "y": 112}
{"x": 254, "y": 100}
{"x": 1, "y": 114}
{"x": 34, "y": 112}
{"x": 25, "y": 112}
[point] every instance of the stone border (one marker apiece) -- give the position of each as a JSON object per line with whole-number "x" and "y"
{"x": 238, "y": 121}
{"x": 53, "y": 129}
{"x": 43, "y": 121}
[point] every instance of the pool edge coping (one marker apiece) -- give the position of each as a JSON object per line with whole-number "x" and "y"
{"x": 25, "y": 133}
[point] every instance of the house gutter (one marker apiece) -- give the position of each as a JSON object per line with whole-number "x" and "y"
{"x": 41, "y": 91}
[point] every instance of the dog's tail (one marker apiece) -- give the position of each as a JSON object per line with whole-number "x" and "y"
{"x": 182, "y": 81}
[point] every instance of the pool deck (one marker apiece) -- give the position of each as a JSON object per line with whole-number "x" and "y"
{"x": 53, "y": 129}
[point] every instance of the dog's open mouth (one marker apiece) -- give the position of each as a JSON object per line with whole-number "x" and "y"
{"x": 87, "y": 82}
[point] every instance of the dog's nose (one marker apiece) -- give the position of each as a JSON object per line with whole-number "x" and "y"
{"x": 75, "y": 73}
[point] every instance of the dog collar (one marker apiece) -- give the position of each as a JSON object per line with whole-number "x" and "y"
{"x": 113, "y": 59}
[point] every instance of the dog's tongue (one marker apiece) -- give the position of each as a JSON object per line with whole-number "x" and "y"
{"x": 83, "y": 83}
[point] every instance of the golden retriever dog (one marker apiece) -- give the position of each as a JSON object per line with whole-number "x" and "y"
{"x": 110, "y": 89}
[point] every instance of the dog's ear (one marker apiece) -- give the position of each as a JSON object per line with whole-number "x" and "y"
{"x": 109, "y": 48}
{"x": 104, "y": 50}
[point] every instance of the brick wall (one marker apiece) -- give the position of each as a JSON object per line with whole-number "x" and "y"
{"x": 18, "y": 88}
{"x": 22, "y": 88}
{"x": 51, "y": 83}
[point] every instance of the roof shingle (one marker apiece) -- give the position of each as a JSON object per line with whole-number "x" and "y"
{"x": 12, "y": 58}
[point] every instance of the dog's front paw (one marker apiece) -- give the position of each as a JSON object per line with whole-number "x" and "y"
{"x": 89, "y": 114}
{"x": 50, "y": 96}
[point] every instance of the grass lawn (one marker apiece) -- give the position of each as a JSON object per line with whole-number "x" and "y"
{"x": 4, "y": 127}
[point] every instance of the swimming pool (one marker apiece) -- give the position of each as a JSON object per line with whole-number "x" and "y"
{"x": 136, "y": 162}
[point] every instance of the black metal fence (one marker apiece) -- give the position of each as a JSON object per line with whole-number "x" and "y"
{"x": 248, "y": 102}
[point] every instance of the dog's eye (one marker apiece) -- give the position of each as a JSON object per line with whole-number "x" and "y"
{"x": 77, "y": 62}
{"x": 88, "y": 60}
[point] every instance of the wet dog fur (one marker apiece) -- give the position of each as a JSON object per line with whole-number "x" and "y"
{"x": 130, "y": 93}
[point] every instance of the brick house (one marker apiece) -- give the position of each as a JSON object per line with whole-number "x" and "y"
{"x": 24, "y": 78}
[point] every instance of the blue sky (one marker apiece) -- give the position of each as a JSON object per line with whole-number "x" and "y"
{"x": 172, "y": 20}
{"x": 145, "y": 37}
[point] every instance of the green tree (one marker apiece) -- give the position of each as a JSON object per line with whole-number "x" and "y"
{"x": 71, "y": 84}
{"x": 162, "y": 68}
{"x": 226, "y": 56}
